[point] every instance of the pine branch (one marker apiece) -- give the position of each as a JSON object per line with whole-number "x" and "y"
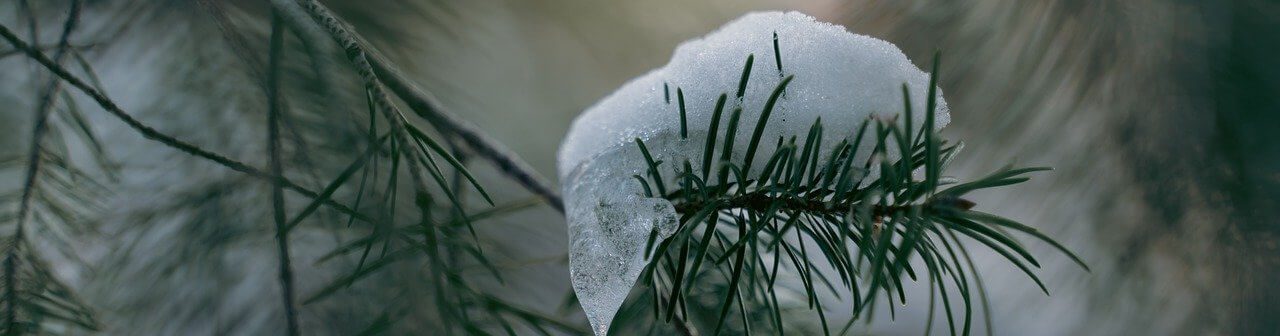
{"x": 13, "y": 52}
{"x": 454, "y": 298}
{"x": 277, "y": 169}
{"x": 405, "y": 134}
{"x": 765, "y": 199}
{"x": 34, "y": 162}
{"x": 828, "y": 202}
{"x": 155, "y": 135}
{"x": 32, "y": 296}
{"x": 239, "y": 45}
{"x": 427, "y": 107}
{"x": 374, "y": 68}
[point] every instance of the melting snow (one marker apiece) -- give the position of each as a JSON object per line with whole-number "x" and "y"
{"x": 839, "y": 76}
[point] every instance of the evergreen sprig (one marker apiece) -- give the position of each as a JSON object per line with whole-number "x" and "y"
{"x": 864, "y": 222}
{"x": 56, "y": 201}
{"x": 440, "y": 239}
{"x": 805, "y": 216}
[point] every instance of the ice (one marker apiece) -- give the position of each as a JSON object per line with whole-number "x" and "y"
{"x": 839, "y": 76}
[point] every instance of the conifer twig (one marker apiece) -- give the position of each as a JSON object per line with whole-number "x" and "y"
{"x": 34, "y": 160}
{"x": 239, "y": 46}
{"x": 426, "y": 106}
{"x": 151, "y": 133}
{"x": 237, "y": 42}
{"x": 356, "y": 55}
{"x": 11, "y": 52}
{"x": 376, "y": 71}
{"x": 277, "y": 191}
{"x": 866, "y": 230}
{"x": 422, "y": 103}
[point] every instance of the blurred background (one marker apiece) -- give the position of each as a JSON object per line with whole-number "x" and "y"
{"x": 1158, "y": 115}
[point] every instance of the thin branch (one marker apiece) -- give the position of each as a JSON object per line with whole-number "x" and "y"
{"x": 376, "y": 71}
{"x": 155, "y": 135}
{"x": 424, "y": 104}
{"x": 11, "y": 52}
{"x": 34, "y": 159}
{"x": 240, "y": 47}
{"x": 277, "y": 169}
{"x": 356, "y": 55}
{"x": 238, "y": 43}
{"x": 763, "y": 200}
{"x": 396, "y": 120}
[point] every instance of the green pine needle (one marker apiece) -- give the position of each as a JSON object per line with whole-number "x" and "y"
{"x": 809, "y": 212}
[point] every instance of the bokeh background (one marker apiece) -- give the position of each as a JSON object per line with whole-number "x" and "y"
{"x": 1158, "y": 115}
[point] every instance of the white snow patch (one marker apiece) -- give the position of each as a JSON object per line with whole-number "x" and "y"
{"x": 839, "y": 76}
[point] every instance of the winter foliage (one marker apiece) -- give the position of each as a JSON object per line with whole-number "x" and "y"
{"x": 839, "y": 78}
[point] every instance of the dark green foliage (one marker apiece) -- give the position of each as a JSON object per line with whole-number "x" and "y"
{"x": 53, "y": 205}
{"x": 439, "y": 240}
{"x": 836, "y": 225}
{"x": 796, "y": 217}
